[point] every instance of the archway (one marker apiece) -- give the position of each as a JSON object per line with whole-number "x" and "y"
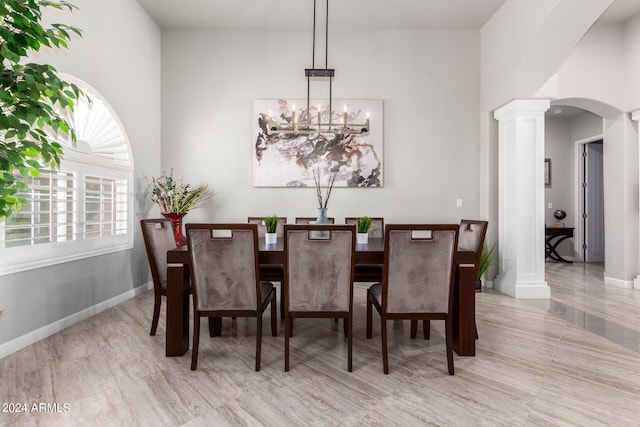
{"x": 620, "y": 178}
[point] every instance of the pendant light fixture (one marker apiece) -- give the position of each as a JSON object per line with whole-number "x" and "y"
{"x": 309, "y": 126}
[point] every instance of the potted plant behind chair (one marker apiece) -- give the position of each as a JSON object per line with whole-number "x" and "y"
{"x": 362, "y": 235}
{"x": 486, "y": 260}
{"x": 271, "y": 225}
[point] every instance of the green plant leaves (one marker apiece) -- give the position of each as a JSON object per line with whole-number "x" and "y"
{"x": 28, "y": 94}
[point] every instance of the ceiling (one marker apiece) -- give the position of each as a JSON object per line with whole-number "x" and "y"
{"x": 344, "y": 14}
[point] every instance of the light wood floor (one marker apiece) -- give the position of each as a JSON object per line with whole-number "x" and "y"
{"x": 573, "y": 360}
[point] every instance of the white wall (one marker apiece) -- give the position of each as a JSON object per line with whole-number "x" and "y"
{"x": 631, "y": 33}
{"x": 119, "y": 55}
{"x": 600, "y": 76}
{"x": 595, "y": 68}
{"x": 428, "y": 81}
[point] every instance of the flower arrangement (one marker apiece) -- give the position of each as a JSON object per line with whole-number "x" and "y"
{"x": 323, "y": 200}
{"x": 176, "y": 196}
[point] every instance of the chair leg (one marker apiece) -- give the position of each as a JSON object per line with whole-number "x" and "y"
{"x": 349, "y": 321}
{"x": 281, "y": 301}
{"x": 414, "y": 329}
{"x": 449, "y": 339}
{"x": 157, "y": 301}
{"x": 218, "y": 326}
{"x": 196, "y": 340}
{"x": 475, "y": 328}
{"x": 369, "y": 304}
{"x": 426, "y": 328}
{"x": 287, "y": 332}
{"x": 385, "y": 356}
{"x": 290, "y": 327}
{"x": 258, "y": 339}
{"x": 346, "y": 328}
{"x": 212, "y": 327}
{"x": 274, "y": 319}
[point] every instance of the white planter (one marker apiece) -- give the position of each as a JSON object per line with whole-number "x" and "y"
{"x": 271, "y": 238}
{"x": 362, "y": 238}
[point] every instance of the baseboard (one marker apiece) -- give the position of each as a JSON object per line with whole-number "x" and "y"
{"x": 57, "y": 326}
{"x": 627, "y": 284}
{"x": 524, "y": 289}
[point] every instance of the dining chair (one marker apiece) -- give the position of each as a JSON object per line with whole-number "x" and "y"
{"x": 318, "y": 277}
{"x": 471, "y": 237}
{"x": 271, "y": 272}
{"x": 158, "y": 239}
{"x": 225, "y": 278}
{"x": 419, "y": 273}
{"x": 369, "y": 272}
{"x": 312, "y": 220}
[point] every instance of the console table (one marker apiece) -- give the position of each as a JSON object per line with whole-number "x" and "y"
{"x": 553, "y": 237}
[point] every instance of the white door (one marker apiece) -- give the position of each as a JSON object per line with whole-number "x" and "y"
{"x": 593, "y": 203}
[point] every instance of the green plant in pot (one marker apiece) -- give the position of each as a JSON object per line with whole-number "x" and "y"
{"x": 271, "y": 225}
{"x": 486, "y": 261}
{"x": 363, "y": 224}
{"x": 32, "y": 97}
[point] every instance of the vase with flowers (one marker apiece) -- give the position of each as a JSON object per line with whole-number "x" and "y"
{"x": 176, "y": 199}
{"x": 323, "y": 199}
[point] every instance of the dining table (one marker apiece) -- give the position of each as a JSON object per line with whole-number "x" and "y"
{"x": 178, "y": 292}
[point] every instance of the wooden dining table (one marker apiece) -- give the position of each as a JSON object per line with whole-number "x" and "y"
{"x": 177, "y": 325}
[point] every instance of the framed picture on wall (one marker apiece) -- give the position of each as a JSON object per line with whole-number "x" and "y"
{"x": 547, "y": 172}
{"x": 287, "y": 160}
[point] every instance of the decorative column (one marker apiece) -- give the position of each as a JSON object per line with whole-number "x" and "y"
{"x": 636, "y": 117}
{"x": 521, "y": 199}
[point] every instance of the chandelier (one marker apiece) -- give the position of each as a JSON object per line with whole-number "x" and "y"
{"x": 306, "y": 125}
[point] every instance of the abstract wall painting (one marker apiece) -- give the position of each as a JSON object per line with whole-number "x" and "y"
{"x": 289, "y": 159}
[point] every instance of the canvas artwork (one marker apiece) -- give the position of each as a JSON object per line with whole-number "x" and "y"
{"x": 289, "y": 159}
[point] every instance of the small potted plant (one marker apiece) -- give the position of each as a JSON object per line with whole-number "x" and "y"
{"x": 363, "y": 225}
{"x": 271, "y": 224}
{"x": 486, "y": 260}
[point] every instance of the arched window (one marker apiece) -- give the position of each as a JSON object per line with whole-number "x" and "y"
{"x": 82, "y": 209}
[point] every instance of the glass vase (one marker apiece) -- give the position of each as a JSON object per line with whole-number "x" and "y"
{"x": 176, "y": 226}
{"x": 322, "y": 219}
{"x": 322, "y": 216}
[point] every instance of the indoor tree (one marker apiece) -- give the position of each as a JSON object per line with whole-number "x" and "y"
{"x": 31, "y": 96}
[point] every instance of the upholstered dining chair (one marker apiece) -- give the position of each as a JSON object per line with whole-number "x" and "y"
{"x": 158, "y": 239}
{"x": 318, "y": 277}
{"x": 419, "y": 272}
{"x": 312, "y": 220}
{"x": 471, "y": 237}
{"x": 225, "y": 278}
{"x": 271, "y": 272}
{"x": 369, "y": 272}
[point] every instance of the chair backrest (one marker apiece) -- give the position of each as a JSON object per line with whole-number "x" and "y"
{"x": 224, "y": 266}
{"x": 312, "y": 220}
{"x": 158, "y": 239}
{"x": 419, "y": 268}
{"x": 261, "y": 227}
{"x": 471, "y": 237}
{"x": 376, "y": 229}
{"x": 319, "y": 270}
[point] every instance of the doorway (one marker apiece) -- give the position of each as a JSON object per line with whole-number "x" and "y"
{"x": 590, "y": 206}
